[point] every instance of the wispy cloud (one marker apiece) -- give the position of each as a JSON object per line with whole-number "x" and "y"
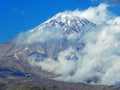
{"x": 18, "y": 11}
{"x": 110, "y": 2}
{"x": 113, "y": 2}
{"x": 40, "y": 34}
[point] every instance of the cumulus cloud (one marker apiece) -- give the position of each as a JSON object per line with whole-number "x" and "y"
{"x": 97, "y": 15}
{"x": 98, "y": 62}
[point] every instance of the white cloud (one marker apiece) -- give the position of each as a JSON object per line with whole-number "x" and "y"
{"x": 61, "y": 66}
{"x": 97, "y": 15}
{"x": 40, "y": 34}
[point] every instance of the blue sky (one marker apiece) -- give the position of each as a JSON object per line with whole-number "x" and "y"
{"x": 21, "y": 15}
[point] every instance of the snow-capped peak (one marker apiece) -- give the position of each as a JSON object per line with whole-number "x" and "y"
{"x": 68, "y": 22}
{"x": 62, "y": 17}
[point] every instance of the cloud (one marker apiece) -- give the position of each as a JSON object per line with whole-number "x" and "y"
{"x": 40, "y": 34}
{"x": 93, "y": 0}
{"x": 97, "y": 62}
{"x": 113, "y": 2}
{"x": 14, "y": 9}
{"x": 97, "y": 15}
{"x": 18, "y": 11}
{"x": 110, "y": 2}
{"x": 61, "y": 66}
{"x": 96, "y": 1}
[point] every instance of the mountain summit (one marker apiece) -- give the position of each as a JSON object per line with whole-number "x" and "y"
{"x": 68, "y": 22}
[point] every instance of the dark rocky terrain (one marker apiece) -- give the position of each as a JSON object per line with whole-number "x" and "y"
{"x": 45, "y": 84}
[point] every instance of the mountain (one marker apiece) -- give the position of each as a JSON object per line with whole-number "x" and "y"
{"x": 35, "y": 55}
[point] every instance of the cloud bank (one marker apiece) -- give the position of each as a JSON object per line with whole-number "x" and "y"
{"x": 98, "y": 62}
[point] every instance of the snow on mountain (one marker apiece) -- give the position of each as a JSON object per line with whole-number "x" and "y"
{"x": 68, "y": 22}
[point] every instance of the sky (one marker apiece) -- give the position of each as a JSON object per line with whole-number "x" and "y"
{"x": 22, "y": 15}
